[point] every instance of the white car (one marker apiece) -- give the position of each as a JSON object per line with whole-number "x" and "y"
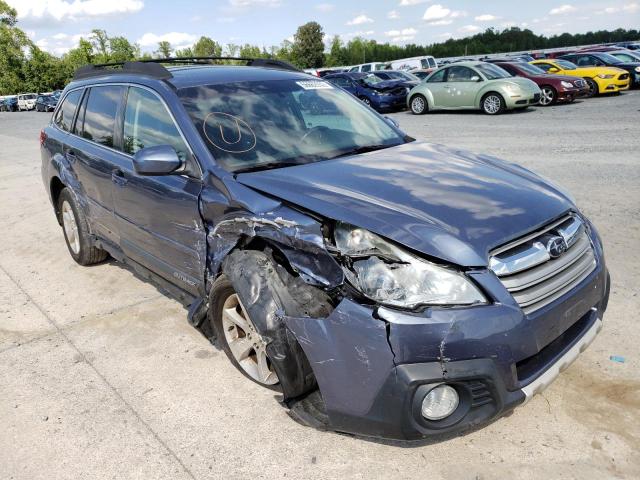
{"x": 426, "y": 62}
{"x": 368, "y": 67}
{"x": 27, "y": 101}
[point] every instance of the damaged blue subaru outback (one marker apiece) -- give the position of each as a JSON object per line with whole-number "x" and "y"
{"x": 384, "y": 286}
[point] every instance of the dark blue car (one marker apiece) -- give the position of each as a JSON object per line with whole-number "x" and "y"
{"x": 9, "y": 104}
{"x": 380, "y": 94}
{"x": 383, "y": 286}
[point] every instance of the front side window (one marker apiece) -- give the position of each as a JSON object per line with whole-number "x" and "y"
{"x": 432, "y": 63}
{"x": 100, "y": 114}
{"x": 460, "y": 74}
{"x": 437, "y": 77}
{"x": 366, "y": 68}
{"x": 147, "y": 123}
{"x": 268, "y": 124}
{"x": 64, "y": 116}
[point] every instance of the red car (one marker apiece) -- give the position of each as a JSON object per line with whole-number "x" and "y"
{"x": 555, "y": 88}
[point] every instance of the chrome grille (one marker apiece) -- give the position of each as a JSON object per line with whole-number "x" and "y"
{"x": 542, "y": 266}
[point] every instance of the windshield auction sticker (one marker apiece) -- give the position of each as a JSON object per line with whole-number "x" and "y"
{"x": 314, "y": 85}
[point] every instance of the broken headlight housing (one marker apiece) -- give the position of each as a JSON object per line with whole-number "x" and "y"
{"x": 391, "y": 276}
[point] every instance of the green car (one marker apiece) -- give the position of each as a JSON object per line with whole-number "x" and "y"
{"x": 472, "y": 85}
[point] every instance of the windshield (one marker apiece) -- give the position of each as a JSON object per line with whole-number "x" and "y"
{"x": 566, "y": 65}
{"x": 530, "y": 69}
{"x": 269, "y": 124}
{"x": 605, "y": 57}
{"x": 404, "y": 76}
{"x": 491, "y": 71}
{"x": 626, "y": 57}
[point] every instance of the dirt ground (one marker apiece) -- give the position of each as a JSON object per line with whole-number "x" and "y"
{"x": 102, "y": 377}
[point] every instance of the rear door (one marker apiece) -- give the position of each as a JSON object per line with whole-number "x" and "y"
{"x": 158, "y": 217}
{"x": 93, "y": 155}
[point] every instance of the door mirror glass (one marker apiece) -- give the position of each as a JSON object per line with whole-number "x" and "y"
{"x": 475, "y": 78}
{"x": 157, "y": 160}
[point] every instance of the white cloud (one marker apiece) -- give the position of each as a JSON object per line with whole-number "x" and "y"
{"x": 392, "y": 15}
{"x": 325, "y": 7}
{"x": 562, "y": 9}
{"x": 176, "y": 39}
{"x": 487, "y": 17}
{"x": 404, "y": 31}
{"x": 436, "y": 12}
{"x": 61, "y": 43}
{"x": 469, "y": 29}
{"x": 408, "y": 3}
{"x": 360, "y": 33}
{"x": 360, "y": 20}
{"x": 445, "y": 35}
{"x": 254, "y": 3}
{"x": 628, "y": 8}
{"x": 59, "y": 10}
{"x": 439, "y": 15}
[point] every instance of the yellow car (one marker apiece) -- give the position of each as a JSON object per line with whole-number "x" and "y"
{"x": 600, "y": 79}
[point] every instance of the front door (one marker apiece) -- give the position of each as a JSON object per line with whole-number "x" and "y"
{"x": 158, "y": 217}
{"x": 461, "y": 87}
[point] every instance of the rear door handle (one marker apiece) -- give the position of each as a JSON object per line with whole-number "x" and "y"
{"x": 117, "y": 177}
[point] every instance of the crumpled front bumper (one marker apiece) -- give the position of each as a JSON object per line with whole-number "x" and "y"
{"x": 372, "y": 364}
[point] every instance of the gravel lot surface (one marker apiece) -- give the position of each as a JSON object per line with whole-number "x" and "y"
{"x": 102, "y": 377}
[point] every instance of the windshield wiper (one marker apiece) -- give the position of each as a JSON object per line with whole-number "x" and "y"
{"x": 365, "y": 149}
{"x": 267, "y": 166}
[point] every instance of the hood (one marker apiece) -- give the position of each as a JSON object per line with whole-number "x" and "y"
{"x": 588, "y": 71}
{"x": 385, "y": 85}
{"x": 449, "y": 204}
{"x": 550, "y": 77}
{"x": 521, "y": 82}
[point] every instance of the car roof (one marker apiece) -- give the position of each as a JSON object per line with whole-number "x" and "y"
{"x": 196, "y": 75}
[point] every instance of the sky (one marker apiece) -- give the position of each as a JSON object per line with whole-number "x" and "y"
{"x": 56, "y": 25}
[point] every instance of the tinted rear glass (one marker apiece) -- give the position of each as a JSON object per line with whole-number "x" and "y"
{"x": 100, "y": 114}
{"x": 64, "y": 117}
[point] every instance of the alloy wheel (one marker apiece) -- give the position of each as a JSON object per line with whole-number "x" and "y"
{"x": 245, "y": 343}
{"x": 417, "y": 105}
{"x": 70, "y": 227}
{"x": 492, "y": 104}
{"x": 547, "y": 97}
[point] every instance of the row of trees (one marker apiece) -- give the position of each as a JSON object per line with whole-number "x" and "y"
{"x": 25, "y": 67}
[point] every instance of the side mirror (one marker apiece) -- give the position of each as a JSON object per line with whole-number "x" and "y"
{"x": 553, "y": 70}
{"x": 392, "y": 122}
{"x": 476, "y": 78}
{"x": 158, "y": 160}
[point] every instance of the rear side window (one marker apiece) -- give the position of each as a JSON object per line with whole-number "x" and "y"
{"x": 64, "y": 117}
{"x": 365, "y": 68}
{"x": 432, "y": 63}
{"x": 147, "y": 123}
{"x": 100, "y": 114}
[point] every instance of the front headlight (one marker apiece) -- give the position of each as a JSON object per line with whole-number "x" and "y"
{"x": 511, "y": 88}
{"x": 566, "y": 84}
{"x": 391, "y": 276}
{"x": 607, "y": 76}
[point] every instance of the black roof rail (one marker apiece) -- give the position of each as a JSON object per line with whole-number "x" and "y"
{"x": 154, "y": 68}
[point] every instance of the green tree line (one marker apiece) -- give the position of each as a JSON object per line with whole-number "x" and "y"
{"x": 24, "y": 67}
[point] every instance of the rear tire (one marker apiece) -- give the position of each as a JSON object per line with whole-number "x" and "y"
{"x": 418, "y": 104}
{"x": 593, "y": 87}
{"x": 548, "y": 96}
{"x": 76, "y": 231}
{"x": 492, "y": 104}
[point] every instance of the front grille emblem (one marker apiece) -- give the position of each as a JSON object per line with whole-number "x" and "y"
{"x": 555, "y": 246}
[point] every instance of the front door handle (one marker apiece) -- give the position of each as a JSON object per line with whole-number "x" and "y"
{"x": 117, "y": 177}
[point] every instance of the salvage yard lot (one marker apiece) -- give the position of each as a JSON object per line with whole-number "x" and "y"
{"x": 102, "y": 377}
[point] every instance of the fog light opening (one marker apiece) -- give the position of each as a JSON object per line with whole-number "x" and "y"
{"x": 440, "y": 402}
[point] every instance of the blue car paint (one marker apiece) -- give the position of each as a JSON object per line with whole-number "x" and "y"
{"x": 449, "y": 205}
{"x": 374, "y": 95}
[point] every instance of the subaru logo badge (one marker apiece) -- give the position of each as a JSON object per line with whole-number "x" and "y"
{"x": 556, "y": 246}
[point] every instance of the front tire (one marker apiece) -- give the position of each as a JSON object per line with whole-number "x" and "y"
{"x": 76, "y": 231}
{"x": 493, "y": 104}
{"x": 418, "y": 104}
{"x": 548, "y": 96}
{"x": 593, "y": 87}
{"x": 238, "y": 337}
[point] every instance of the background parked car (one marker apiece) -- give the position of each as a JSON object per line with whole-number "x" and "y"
{"x": 46, "y": 103}
{"x": 410, "y": 80}
{"x": 603, "y": 59}
{"x": 9, "y": 104}
{"x": 422, "y": 73}
{"x": 375, "y": 92}
{"x": 600, "y": 79}
{"x": 472, "y": 85}
{"x": 554, "y": 88}
{"x": 626, "y": 55}
{"x": 425, "y": 62}
{"x": 368, "y": 67}
{"x": 27, "y": 101}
